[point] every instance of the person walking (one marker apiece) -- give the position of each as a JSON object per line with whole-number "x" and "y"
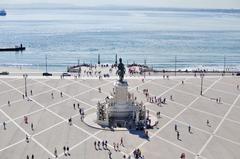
{"x": 103, "y": 144}
{"x": 27, "y": 138}
{"x": 55, "y": 152}
{"x": 208, "y": 122}
{"x": 68, "y": 153}
{"x": 99, "y": 145}
{"x": 32, "y": 156}
{"x": 109, "y": 154}
{"x": 95, "y": 145}
{"x": 178, "y": 135}
{"x": 189, "y": 129}
{"x": 70, "y": 121}
{"x": 118, "y": 147}
{"x": 183, "y": 156}
{"x": 121, "y": 142}
{"x": 106, "y": 145}
{"x": 74, "y": 107}
{"x": 175, "y": 127}
{"x": 32, "y": 127}
{"x": 52, "y": 95}
{"x": 64, "y": 150}
{"x": 4, "y": 125}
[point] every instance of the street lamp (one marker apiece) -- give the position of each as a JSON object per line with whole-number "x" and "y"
{"x": 25, "y": 78}
{"x": 201, "y": 75}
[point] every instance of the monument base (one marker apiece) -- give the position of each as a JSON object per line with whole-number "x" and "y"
{"x": 90, "y": 120}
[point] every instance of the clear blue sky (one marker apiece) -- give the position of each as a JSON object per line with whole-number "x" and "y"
{"x": 145, "y": 3}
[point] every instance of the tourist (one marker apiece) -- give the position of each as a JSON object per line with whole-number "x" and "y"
{"x": 31, "y": 92}
{"x": 103, "y": 144}
{"x": 78, "y": 106}
{"x": 27, "y": 157}
{"x": 27, "y": 138}
{"x": 68, "y": 151}
{"x": 95, "y": 145}
{"x": 99, "y": 144}
{"x": 171, "y": 97}
{"x": 23, "y": 96}
{"x": 99, "y": 90}
{"x": 182, "y": 82}
{"x": 52, "y": 95}
{"x": 80, "y": 111}
{"x": 109, "y": 154}
{"x": 208, "y": 123}
{"x": 175, "y": 127}
{"x": 32, "y": 126}
{"x": 32, "y": 156}
{"x": 189, "y": 129}
{"x": 74, "y": 107}
{"x": 64, "y": 150}
{"x": 182, "y": 156}
{"x": 118, "y": 147}
{"x": 121, "y": 142}
{"x": 55, "y": 152}
{"x": 9, "y": 103}
{"x": 70, "y": 121}
{"x": 237, "y": 87}
{"x": 4, "y": 125}
{"x": 114, "y": 146}
{"x": 106, "y": 145}
{"x": 61, "y": 94}
{"x": 178, "y": 135}
{"x": 25, "y": 120}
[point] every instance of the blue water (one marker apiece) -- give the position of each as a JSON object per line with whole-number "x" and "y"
{"x": 199, "y": 38}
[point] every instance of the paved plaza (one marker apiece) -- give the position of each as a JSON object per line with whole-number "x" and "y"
{"x": 49, "y": 112}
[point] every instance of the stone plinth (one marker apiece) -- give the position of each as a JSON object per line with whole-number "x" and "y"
{"x": 120, "y": 109}
{"x": 121, "y": 93}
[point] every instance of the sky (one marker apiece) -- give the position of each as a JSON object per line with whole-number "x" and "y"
{"x": 229, "y": 4}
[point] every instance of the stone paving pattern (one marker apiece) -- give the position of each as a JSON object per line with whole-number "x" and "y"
{"x": 219, "y": 140}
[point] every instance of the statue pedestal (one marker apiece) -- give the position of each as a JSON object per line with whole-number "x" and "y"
{"x": 120, "y": 109}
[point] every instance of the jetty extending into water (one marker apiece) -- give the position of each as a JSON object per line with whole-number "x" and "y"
{"x": 16, "y": 48}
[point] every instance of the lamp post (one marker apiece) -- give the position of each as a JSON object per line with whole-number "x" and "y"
{"x": 175, "y": 65}
{"x": 25, "y": 79}
{"x": 201, "y": 75}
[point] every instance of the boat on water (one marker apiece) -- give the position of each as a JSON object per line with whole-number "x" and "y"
{"x": 3, "y": 13}
{"x": 16, "y": 48}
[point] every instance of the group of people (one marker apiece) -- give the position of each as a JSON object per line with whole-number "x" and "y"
{"x": 61, "y": 95}
{"x": 32, "y": 157}
{"x": 157, "y": 100}
{"x": 103, "y": 145}
{"x": 97, "y": 145}
{"x": 138, "y": 154}
{"x": 218, "y": 100}
{"x": 25, "y": 118}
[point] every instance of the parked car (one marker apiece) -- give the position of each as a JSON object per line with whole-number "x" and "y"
{"x": 66, "y": 74}
{"x": 47, "y": 74}
{"x": 4, "y": 73}
{"x": 238, "y": 74}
